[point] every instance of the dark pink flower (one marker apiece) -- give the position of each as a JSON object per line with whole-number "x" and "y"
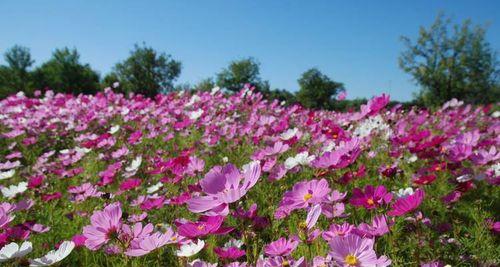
{"x": 205, "y": 226}
{"x": 406, "y": 204}
{"x": 371, "y": 198}
{"x": 231, "y": 253}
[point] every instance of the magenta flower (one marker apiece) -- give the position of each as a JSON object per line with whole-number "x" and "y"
{"x": 371, "y": 198}
{"x": 130, "y": 183}
{"x": 104, "y": 225}
{"x": 377, "y": 103}
{"x": 353, "y": 250}
{"x": 406, "y": 204}
{"x": 231, "y": 253}
{"x": 223, "y": 186}
{"x": 281, "y": 247}
{"x": 205, "y": 226}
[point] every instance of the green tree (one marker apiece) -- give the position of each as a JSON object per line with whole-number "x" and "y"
{"x": 452, "y": 61}
{"x": 16, "y": 75}
{"x": 241, "y": 72}
{"x": 317, "y": 90}
{"x": 64, "y": 73}
{"x": 205, "y": 85}
{"x": 147, "y": 72}
{"x": 281, "y": 95}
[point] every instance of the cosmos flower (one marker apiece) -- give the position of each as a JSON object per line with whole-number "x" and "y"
{"x": 281, "y": 247}
{"x": 371, "y": 198}
{"x": 54, "y": 256}
{"x": 13, "y": 250}
{"x": 232, "y": 253}
{"x": 223, "y": 186}
{"x": 105, "y": 225}
{"x": 406, "y": 204}
{"x": 353, "y": 250}
{"x": 303, "y": 194}
{"x": 13, "y": 190}
{"x": 190, "y": 248}
{"x": 205, "y": 226}
{"x": 144, "y": 245}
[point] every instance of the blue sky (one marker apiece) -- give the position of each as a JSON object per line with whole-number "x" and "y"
{"x": 354, "y": 42}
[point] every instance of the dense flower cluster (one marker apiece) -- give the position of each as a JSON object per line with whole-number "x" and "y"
{"x": 209, "y": 179}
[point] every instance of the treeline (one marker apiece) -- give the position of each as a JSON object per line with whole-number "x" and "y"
{"x": 446, "y": 61}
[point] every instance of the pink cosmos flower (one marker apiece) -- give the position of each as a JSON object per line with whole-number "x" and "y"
{"x": 406, "y": 204}
{"x": 142, "y": 246}
{"x": 223, "y": 186}
{"x": 5, "y": 218}
{"x": 371, "y": 198}
{"x": 338, "y": 230}
{"x": 281, "y": 247}
{"x": 130, "y": 183}
{"x": 104, "y": 224}
{"x": 135, "y": 137}
{"x": 302, "y": 195}
{"x": 377, "y": 103}
{"x": 231, "y": 253}
{"x": 342, "y": 95}
{"x": 281, "y": 261}
{"x": 353, "y": 250}
{"x": 379, "y": 227}
{"x": 205, "y": 226}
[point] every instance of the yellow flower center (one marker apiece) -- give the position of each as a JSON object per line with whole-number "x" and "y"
{"x": 303, "y": 225}
{"x": 285, "y": 263}
{"x": 370, "y": 201}
{"x": 307, "y": 196}
{"x": 201, "y": 227}
{"x": 351, "y": 259}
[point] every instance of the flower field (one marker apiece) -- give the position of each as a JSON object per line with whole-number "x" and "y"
{"x": 209, "y": 179}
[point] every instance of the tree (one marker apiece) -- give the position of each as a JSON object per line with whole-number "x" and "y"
{"x": 241, "y": 72}
{"x": 16, "y": 75}
{"x": 459, "y": 64}
{"x": 147, "y": 72}
{"x": 205, "y": 85}
{"x": 317, "y": 90}
{"x": 64, "y": 73}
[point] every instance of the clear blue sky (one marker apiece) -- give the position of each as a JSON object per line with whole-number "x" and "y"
{"x": 354, "y": 42}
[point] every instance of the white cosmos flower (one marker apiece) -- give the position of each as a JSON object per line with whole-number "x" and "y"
{"x": 215, "y": 90}
{"x": 194, "y": 115}
{"x": 114, "y": 129}
{"x": 225, "y": 159}
{"x": 136, "y": 163}
{"x": 403, "y": 192}
{"x": 194, "y": 99}
{"x": 7, "y": 174}
{"x": 302, "y": 158}
{"x": 54, "y": 256}
{"x": 13, "y": 190}
{"x": 82, "y": 150}
{"x": 190, "y": 249}
{"x": 289, "y": 134}
{"x": 413, "y": 158}
{"x": 464, "y": 178}
{"x": 13, "y": 250}
{"x": 233, "y": 243}
{"x": 154, "y": 188}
